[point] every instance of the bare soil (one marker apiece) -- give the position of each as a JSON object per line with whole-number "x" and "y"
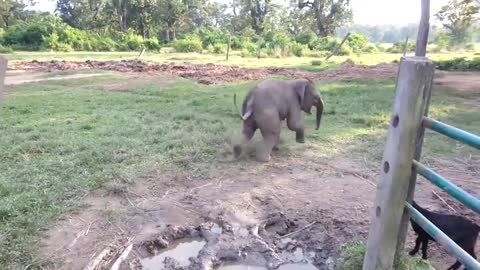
{"x": 266, "y": 212}
{"x": 212, "y": 73}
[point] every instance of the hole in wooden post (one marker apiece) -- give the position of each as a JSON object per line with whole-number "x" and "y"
{"x": 395, "y": 121}
{"x": 378, "y": 211}
{"x": 386, "y": 166}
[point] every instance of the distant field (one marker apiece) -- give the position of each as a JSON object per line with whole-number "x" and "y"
{"x": 235, "y": 58}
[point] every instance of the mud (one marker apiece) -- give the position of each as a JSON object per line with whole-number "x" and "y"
{"x": 212, "y": 73}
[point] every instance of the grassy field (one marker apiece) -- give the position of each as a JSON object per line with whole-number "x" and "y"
{"x": 235, "y": 58}
{"x": 63, "y": 139}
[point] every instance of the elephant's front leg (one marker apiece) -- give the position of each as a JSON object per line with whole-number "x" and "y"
{"x": 295, "y": 123}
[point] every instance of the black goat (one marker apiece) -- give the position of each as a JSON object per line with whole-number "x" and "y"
{"x": 461, "y": 230}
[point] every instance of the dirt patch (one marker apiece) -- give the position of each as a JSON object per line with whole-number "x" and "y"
{"x": 263, "y": 215}
{"x": 461, "y": 81}
{"x": 212, "y": 73}
{"x": 19, "y": 77}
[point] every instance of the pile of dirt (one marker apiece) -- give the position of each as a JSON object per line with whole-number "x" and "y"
{"x": 212, "y": 73}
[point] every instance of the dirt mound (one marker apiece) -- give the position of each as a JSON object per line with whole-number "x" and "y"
{"x": 212, "y": 73}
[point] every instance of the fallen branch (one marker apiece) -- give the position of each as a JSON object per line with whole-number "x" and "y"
{"x": 443, "y": 200}
{"x": 122, "y": 257}
{"x": 299, "y": 230}
{"x": 98, "y": 260}
{"x": 338, "y": 47}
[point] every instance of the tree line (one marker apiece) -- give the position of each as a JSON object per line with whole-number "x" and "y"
{"x": 136, "y": 24}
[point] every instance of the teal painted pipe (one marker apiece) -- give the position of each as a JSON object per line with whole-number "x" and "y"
{"x": 456, "y": 192}
{"x": 468, "y": 261}
{"x": 452, "y": 132}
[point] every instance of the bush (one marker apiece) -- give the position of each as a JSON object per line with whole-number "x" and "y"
{"x": 188, "y": 45}
{"x": 441, "y": 40}
{"x": 357, "y": 43}
{"x": 460, "y": 63}
{"x": 307, "y": 38}
{"x": 152, "y": 44}
{"x": 219, "y": 48}
{"x": 317, "y": 62}
{"x": 298, "y": 49}
{"x": 397, "y": 47}
{"x": 5, "y": 49}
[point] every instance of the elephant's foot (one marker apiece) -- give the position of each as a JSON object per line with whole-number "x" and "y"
{"x": 237, "y": 151}
{"x": 299, "y": 137}
{"x": 262, "y": 157}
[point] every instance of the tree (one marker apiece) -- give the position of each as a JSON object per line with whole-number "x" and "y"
{"x": 258, "y": 10}
{"x": 12, "y": 10}
{"x": 171, "y": 13}
{"x": 457, "y": 17}
{"x": 121, "y": 9}
{"x": 329, "y": 14}
{"x": 84, "y": 14}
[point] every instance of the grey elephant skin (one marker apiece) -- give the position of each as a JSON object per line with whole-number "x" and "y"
{"x": 268, "y": 104}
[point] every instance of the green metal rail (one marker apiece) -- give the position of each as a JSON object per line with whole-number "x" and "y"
{"x": 455, "y": 191}
{"x": 452, "y": 132}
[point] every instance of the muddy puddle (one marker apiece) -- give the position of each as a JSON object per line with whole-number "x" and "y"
{"x": 181, "y": 252}
{"x": 288, "y": 266}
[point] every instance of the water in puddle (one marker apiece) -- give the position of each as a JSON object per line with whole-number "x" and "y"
{"x": 241, "y": 267}
{"x": 297, "y": 266}
{"x": 181, "y": 251}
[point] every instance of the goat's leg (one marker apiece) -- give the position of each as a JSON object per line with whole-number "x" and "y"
{"x": 455, "y": 266}
{"x": 424, "y": 248}
{"x": 417, "y": 246}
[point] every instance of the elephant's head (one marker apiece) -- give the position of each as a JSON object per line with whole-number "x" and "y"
{"x": 309, "y": 97}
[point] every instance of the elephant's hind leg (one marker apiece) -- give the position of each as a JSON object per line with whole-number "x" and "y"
{"x": 270, "y": 140}
{"x": 249, "y": 128}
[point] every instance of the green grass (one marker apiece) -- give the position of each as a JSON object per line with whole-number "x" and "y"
{"x": 62, "y": 139}
{"x": 235, "y": 58}
{"x": 351, "y": 258}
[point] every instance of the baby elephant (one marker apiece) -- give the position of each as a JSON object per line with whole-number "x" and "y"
{"x": 272, "y": 101}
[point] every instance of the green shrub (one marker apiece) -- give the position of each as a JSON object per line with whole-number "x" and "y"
{"x": 441, "y": 40}
{"x": 4, "y": 49}
{"x": 315, "y": 54}
{"x": 152, "y": 44}
{"x": 307, "y": 38}
{"x": 357, "y": 43}
{"x": 317, "y": 62}
{"x": 219, "y": 48}
{"x": 188, "y": 45}
{"x": 460, "y": 63}
{"x": 397, "y": 47}
{"x": 298, "y": 49}
{"x": 210, "y": 48}
{"x": 105, "y": 44}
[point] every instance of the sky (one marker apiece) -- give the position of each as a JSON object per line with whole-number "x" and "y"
{"x": 373, "y": 12}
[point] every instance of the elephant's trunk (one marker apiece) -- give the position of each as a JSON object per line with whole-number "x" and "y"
{"x": 319, "y": 112}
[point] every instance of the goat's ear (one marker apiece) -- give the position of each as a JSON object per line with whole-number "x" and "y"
{"x": 300, "y": 89}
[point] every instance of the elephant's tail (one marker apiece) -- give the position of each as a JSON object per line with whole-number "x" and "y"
{"x": 236, "y": 107}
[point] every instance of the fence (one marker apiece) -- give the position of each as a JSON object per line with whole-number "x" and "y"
{"x": 400, "y": 166}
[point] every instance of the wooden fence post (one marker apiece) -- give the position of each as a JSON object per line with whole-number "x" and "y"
{"x": 420, "y": 50}
{"x": 423, "y": 28}
{"x": 3, "y": 71}
{"x": 414, "y": 79}
{"x": 228, "y": 46}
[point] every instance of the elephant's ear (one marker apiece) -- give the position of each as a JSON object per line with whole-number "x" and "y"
{"x": 300, "y": 89}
